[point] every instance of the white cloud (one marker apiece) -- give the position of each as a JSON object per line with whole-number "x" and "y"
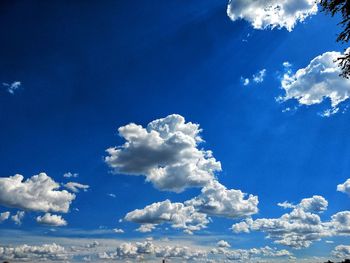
{"x": 271, "y": 13}
{"x": 286, "y": 205}
{"x": 51, "y": 220}
{"x": 146, "y": 228}
{"x": 75, "y": 187}
{"x": 33, "y": 253}
{"x": 317, "y": 82}
{"x": 297, "y": 229}
{"x": 18, "y": 217}
{"x": 4, "y": 216}
{"x": 260, "y": 76}
{"x": 223, "y": 243}
{"x": 217, "y": 200}
{"x": 118, "y": 230}
{"x": 166, "y": 152}
{"x": 70, "y": 175}
{"x": 11, "y": 88}
{"x": 38, "y": 193}
{"x": 341, "y": 251}
{"x": 245, "y": 81}
{"x": 178, "y": 215}
{"x": 345, "y": 187}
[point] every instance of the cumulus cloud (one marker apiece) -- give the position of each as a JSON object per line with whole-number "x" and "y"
{"x": 178, "y": 215}
{"x": 146, "y": 228}
{"x": 271, "y": 13}
{"x": 223, "y": 243}
{"x": 217, "y": 200}
{"x": 300, "y": 227}
{"x": 118, "y": 230}
{"x": 151, "y": 251}
{"x": 12, "y": 87}
{"x": 51, "y": 220}
{"x": 18, "y": 217}
{"x": 345, "y": 187}
{"x": 341, "y": 251}
{"x": 75, "y": 187}
{"x": 38, "y": 193}
{"x": 317, "y": 82}
{"x": 4, "y": 216}
{"x": 33, "y": 253}
{"x": 166, "y": 152}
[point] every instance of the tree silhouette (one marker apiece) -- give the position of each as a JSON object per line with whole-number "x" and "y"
{"x": 341, "y": 7}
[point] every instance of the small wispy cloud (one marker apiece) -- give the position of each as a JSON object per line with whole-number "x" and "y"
{"x": 12, "y": 87}
{"x": 112, "y": 195}
{"x": 257, "y": 78}
{"x": 70, "y": 175}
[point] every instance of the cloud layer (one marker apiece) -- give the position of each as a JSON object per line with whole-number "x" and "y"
{"x": 271, "y": 13}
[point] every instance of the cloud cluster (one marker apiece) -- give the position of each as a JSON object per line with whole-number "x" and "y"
{"x": 51, "y": 220}
{"x": 176, "y": 214}
{"x": 271, "y": 13}
{"x": 300, "y": 227}
{"x": 166, "y": 152}
{"x": 150, "y": 251}
{"x": 12, "y": 87}
{"x": 38, "y": 193}
{"x": 33, "y": 253}
{"x": 317, "y": 82}
{"x": 257, "y": 78}
{"x": 345, "y": 187}
{"x": 341, "y": 251}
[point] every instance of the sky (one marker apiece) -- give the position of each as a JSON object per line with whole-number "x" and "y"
{"x": 207, "y": 131}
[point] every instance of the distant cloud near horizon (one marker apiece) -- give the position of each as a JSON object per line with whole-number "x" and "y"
{"x": 271, "y": 13}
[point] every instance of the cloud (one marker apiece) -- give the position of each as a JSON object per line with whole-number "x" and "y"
{"x": 70, "y": 175}
{"x": 345, "y": 187}
{"x": 178, "y": 215}
{"x": 271, "y": 13}
{"x": 317, "y": 82}
{"x": 146, "y": 228}
{"x": 38, "y": 193}
{"x": 256, "y": 78}
{"x": 51, "y": 220}
{"x": 4, "y": 216}
{"x": 118, "y": 230}
{"x": 341, "y": 251}
{"x": 18, "y": 217}
{"x": 217, "y": 200}
{"x": 11, "y": 88}
{"x": 33, "y": 253}
{"x": 112, "y": 195}
{"x": 223, "y": 243}
{"x": 166, "y": 152}
{"x": 297, "y": 229}
{"x": 75, "y": 187}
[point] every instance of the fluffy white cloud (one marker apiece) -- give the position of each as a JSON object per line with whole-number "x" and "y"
{"x": 38, "y": 193}
{"x": 297, "y": 229}
{"x": 166, "y": 152}
{"x": 18, "y": 217}
{"x": 317, "y": 82}
{"x": 271, "y": 13}
{"x": 345, "y": 187}
{"x": 217, "y": 200}
{"x": 51, "y": 220}
{"x": 223, "y": 243}
{"x": 33, "y": 253}
{"x": 146, "y": 228}
{"x": 75, "y": 187}
{"x": 4, "y": 216}
{"x": 341, "y": 251}
{"x": 178, "y": 215}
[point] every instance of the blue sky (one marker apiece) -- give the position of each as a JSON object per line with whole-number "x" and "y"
{"x": 72, "y": 73}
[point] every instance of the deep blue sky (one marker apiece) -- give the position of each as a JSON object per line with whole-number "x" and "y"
{"x": 87, "y": 68}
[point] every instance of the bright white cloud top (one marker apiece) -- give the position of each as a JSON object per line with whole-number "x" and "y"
{"x": 271, "y": 13}
{"x": 317, "y": 82}
{"x": 38, "y": 193}
{"x": 51, "y": 220}
{"x": 166, "y": 152}
{"x": 345, "y": 187}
